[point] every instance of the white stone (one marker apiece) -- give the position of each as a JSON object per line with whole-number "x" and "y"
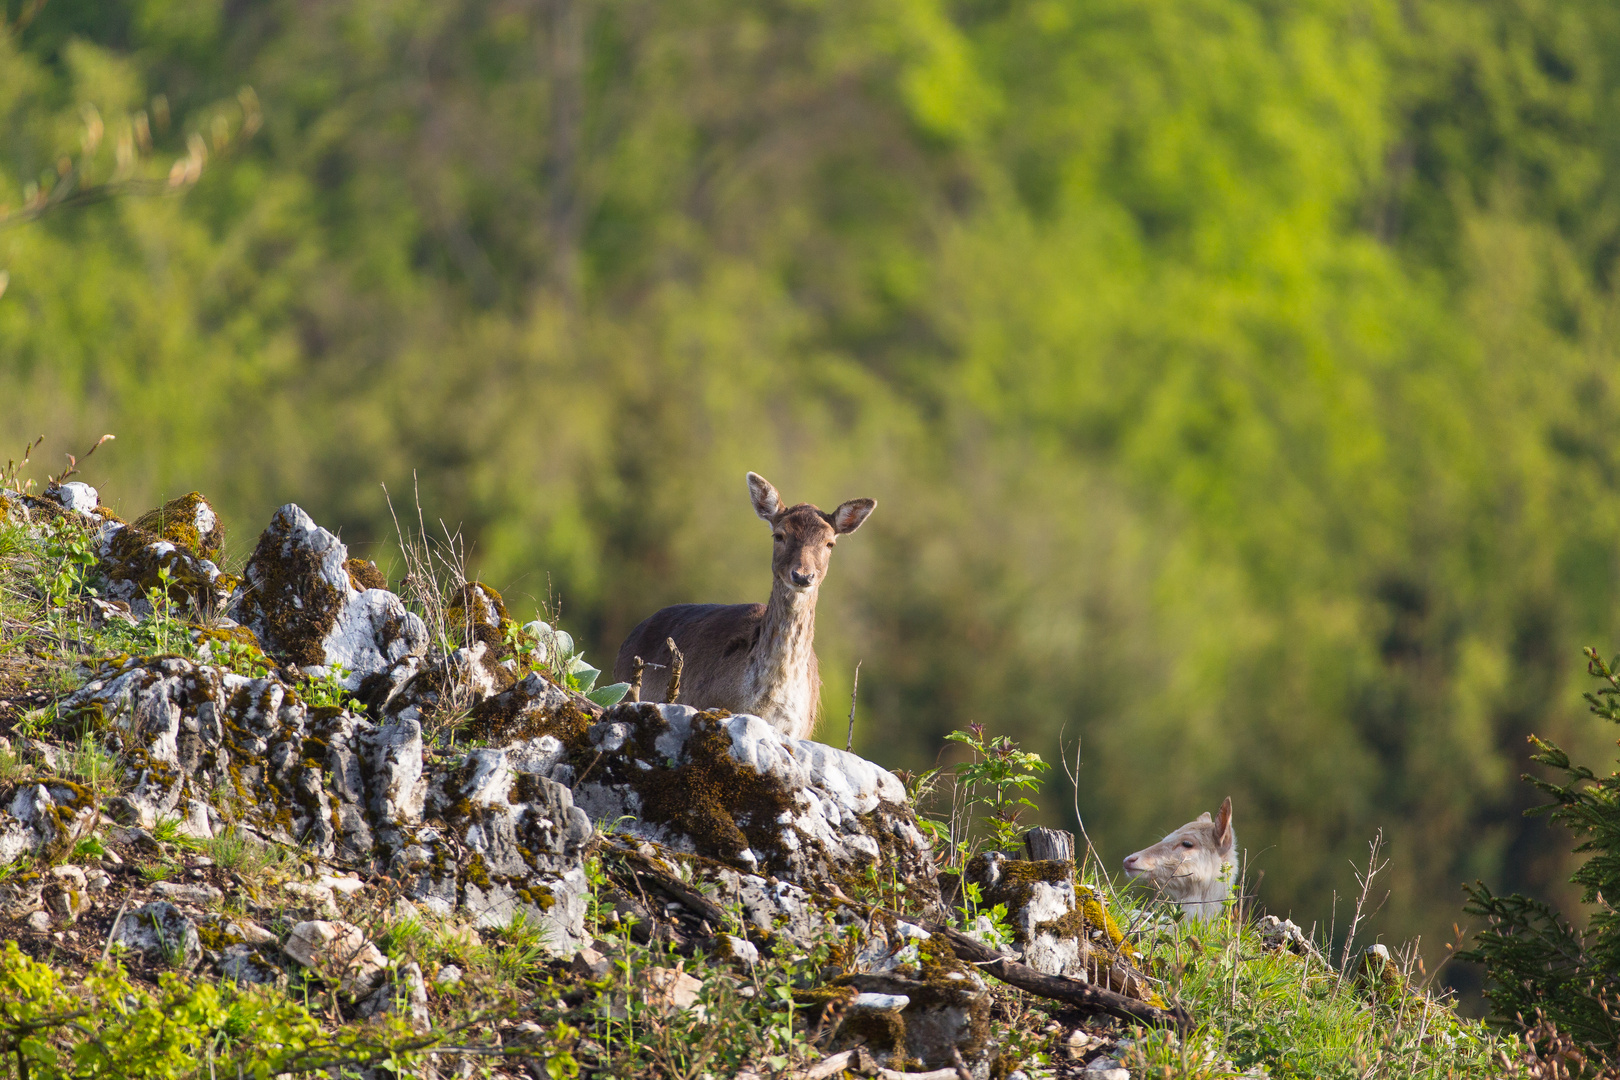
{"x": 337, "y": 950}
{"x": 741, "y": 949}
{"x": 77, "y": 496}
{"x": 880, "y": 1002}
{"x": 69, "y": 873}
{"x": 187, "y": 894}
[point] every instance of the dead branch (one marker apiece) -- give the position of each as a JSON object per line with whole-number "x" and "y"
{"x": 675, "y": 666}
{"x": 1056, "y": 987}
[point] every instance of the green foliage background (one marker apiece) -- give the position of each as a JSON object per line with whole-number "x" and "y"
{"x": 1236, "y": 379}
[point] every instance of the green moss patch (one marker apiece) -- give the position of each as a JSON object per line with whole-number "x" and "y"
{"x": 363, "y": 575}
{"x": 176, "y": 522}
{"x": 479, "y": 614}
{"x": 290, "y": 600}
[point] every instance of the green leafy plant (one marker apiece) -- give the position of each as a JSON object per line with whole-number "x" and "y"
{"x": 1541, "y": 966}
{"x": 554, "y": 651}
{"x": 991, "y": 782}
{"x": 109, "y": 1026}
{"x": 326, "y": 691}
{"x": 238, "y": 657}
{"x": 69, "y": 550}
{"x": 89, "y": 762}
{"x": 989, "y": 921}
{"x": 168, "y": 830}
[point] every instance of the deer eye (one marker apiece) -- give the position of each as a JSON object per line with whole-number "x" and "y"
{"x": 780, "y": 538}
{"x": 829, "y": 543}
{"x": 1186, "y": 843}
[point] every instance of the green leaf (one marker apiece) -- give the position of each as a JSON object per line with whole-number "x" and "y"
{"x": 611, "y": 694}
{"x": 583, "y": 676}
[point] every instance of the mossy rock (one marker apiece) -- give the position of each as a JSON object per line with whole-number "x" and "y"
{"x": 288, "y": 597}
{"x": 363, "y": 574}
{"x": 189, "y": 522}
{"x": 479, "y": 614}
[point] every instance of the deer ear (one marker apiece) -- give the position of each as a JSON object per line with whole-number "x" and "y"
{"x": 766, "y": 501}
{"x": 1223, "y": 824}
{"x": 848, "y": 517}
{"x": 1204, "y": 817}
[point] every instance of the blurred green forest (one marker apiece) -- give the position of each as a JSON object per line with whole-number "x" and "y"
{"x": 1236, "y": 379}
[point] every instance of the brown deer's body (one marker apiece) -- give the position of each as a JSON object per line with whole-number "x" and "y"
{"x": 752, "y": 658}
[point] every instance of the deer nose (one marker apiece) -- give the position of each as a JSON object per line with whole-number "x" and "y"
{"x": 1130, "y": 862}
{"x": 802, "y": 579}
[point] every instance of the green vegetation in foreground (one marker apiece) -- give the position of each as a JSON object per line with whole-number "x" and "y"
{"x": 1300, "y": 1017}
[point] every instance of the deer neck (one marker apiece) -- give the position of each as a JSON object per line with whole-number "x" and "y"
{"x": 779, "y": 666}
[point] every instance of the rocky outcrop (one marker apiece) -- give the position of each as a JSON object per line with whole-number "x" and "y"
{"x": 493, "y": 833}
{"x": 1060, "y": 928}
{"x": 482, "y": 834}
{"x": 299, "y": 596}
{"x": 735, "y": 789}
{"x": 169, "y": 551}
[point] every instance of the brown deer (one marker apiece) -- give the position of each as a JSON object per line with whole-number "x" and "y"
{"x": 752, "y": 658}
{"x": 1193, "y": 865}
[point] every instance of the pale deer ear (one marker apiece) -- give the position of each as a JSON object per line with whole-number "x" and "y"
{"x": 766, "y": 501}
{"x": 1205, "y": 818}
{"x": 848, "y": 517}
{"x": 1223, "y": 824}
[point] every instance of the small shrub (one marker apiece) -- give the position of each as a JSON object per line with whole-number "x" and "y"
{"x": 1542, "y": 968}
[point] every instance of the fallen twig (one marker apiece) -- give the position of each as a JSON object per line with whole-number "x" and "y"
{"x": 669, "y": 884}
{"x": 1057, "y": 987}
{"x": 106, "y": 950}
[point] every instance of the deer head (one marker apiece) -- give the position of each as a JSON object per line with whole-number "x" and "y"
{"x": 803, "y": 535}
{"x": 1193, "y": 865}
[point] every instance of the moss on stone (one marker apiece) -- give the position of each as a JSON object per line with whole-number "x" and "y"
{"x": 478, "y": 613}
{"x": 723, "y": 806}
{"x": 290, "y": 599}
{"x": 363, "y": 574}
{"x": 504, "y": 717}
{"x": 176, "y": 522}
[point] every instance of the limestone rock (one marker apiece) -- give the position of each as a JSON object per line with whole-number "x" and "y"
{"x": 492, "y": 835}
{"x": 520, "y": 841}
{"x": 248, "y": 963}
{"x": 162, "y": 933}
{"x": 183, "y": 893}
{"x": 298, "y": 597}
{"x": 930, "y": 1019}
{"x": 172, "y": 547}
{"x": 75, "y": 496}
{"x": 1060, "y": 928}
{"x": 403, "y": 994}
{"x": 188, "y": 521}
{"x": 1284, "y": 935}
{"x": 733, "y": 788}
{"x": 1040, "y": 902}
{"x": 337, "y": 951}
{"x": 672, "y": 990}
{"x": 65, "y": 899}
{"x": 50, "y": 818}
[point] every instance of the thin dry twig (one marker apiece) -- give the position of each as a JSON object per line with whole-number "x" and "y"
{"x": 1374, "y": 848}
{"x": 854, "y": 688}
{"x": 73, "y": 462}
